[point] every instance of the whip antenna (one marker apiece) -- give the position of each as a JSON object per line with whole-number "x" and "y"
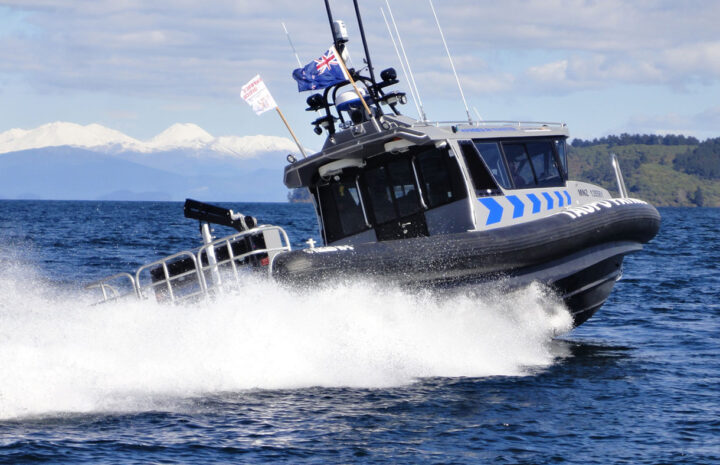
{"x": 365, "y": 45}
{"x": 412, "y": 78}
{"x": 402, "y": 64}
{"x": 480, "y": 118}
{"x": 292, "y": 46}
{"x": 457, "y": 79}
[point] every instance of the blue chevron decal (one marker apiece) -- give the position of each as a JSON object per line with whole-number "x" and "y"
{"x": 519, "y": 207}
{"x": 496, "y": 210}
{"x": 568, "y": 197}
{"x": 561, "y": 201}
{"x": 550, "y": 201}
{"x": 537, "y": 204}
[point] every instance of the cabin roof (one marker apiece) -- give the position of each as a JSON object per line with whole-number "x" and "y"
{"x": 365, "y": 140}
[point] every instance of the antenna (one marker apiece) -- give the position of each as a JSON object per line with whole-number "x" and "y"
{"x": 480, "y": 118}
{"x": 462, "y": 94}
{"x": 402, "y": 63}
{"x": 365, "y": 46}
{"x": 412, "y": 78}
{"x": 291, "y": 45}
{"x": 336, "y": 42}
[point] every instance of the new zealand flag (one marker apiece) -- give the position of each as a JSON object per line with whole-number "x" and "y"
{"x": 320, "y": 73}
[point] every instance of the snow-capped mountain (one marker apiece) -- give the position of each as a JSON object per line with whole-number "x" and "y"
{"x": 59, "y": 134}
{"x": 181, "y": 136}
{"x": 71, "y": 161}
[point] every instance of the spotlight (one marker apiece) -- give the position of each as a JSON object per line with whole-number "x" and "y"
{"x": 388, "y": 74}
{"x": 315, "y": 102}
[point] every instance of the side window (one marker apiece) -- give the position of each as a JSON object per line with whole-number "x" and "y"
{"x": 490, "y": 152}
{"x": 543, "y": 162}
{"x": 441, "y": 178}
{"x": 482, "y": 180}
{"x": 341, "y": 209}
{"x": 521, "y": 170}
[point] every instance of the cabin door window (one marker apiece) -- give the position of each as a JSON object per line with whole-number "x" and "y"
{"x": 394, "y": 200}
{"x": 381, "y": 197}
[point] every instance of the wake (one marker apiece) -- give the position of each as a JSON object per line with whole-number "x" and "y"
{"x": 58, "y": 354}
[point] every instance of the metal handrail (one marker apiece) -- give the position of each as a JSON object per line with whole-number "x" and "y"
{"x": 110, "y": 292}
{"x": 227, "y": 240}
{"x": 233, "y": 259}
{"x": 168, "y": 279}
{"x": 492, "y": 123}
{"x": 104, "y": 286}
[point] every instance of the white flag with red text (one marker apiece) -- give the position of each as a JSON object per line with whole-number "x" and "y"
{"x": 257, "y": 95}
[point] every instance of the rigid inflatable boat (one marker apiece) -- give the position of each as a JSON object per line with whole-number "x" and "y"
{"x": 420, "y": 203}
{"x": 458, "y": 205}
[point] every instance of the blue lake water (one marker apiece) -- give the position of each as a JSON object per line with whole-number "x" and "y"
{"x": 355, "y": 373}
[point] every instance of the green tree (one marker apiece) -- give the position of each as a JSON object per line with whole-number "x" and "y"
{"x": 703, "y": 161}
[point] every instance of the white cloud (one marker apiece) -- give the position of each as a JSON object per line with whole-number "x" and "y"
{"x": 702, "y": 124}
{"x": 194, "y": 48}
{"x": 549, "y": 72}
{"x": 700, "y": 59}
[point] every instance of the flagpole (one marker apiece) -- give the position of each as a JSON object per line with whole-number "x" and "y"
{"x": 292, "y": 133}
{"x": 357, "y": 90}
{"x": 258, "y": 96}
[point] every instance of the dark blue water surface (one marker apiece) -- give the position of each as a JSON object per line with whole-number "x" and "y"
{"x": 639, "y": 383}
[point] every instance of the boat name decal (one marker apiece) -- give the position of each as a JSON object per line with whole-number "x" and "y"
{"x": 592, "y": 193}
{"x": 577, "y": 212}
{"x": 331, "y": 248}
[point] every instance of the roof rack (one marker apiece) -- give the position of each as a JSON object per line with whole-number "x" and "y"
{"x": 491, "y": 123}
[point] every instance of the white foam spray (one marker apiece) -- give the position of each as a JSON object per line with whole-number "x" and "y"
{"x": 57, "y": 354}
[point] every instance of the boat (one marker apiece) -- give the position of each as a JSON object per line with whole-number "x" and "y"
{"x": 440, "y": 205}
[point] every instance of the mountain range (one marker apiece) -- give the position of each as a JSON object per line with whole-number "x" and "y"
{"x": 73, "y": 162}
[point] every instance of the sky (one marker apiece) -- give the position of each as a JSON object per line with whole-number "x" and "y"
{"x": 601, "y": 66}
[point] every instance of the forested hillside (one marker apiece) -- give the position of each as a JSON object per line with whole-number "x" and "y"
{"x": 665, "y": 170}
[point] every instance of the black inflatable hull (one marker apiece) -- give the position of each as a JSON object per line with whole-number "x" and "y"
{"x": 579, "y": 254}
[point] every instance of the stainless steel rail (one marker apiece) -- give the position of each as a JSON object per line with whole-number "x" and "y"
{"x": 112, "y": 292}
{"x": 168, "y": 280}
{"x": 198, "y": 276}
{"x": 618, "y": 176}
{"x": 492, "y": 123}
